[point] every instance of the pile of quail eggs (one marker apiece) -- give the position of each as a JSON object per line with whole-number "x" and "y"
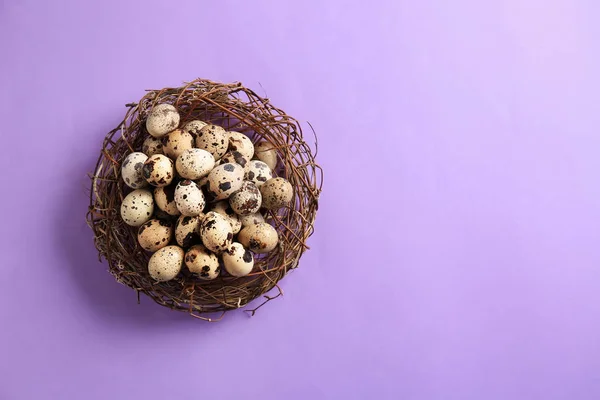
{"x": 199, "y": 195}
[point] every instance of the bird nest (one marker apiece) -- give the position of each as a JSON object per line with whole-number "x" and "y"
{"x": 235, "y": 108}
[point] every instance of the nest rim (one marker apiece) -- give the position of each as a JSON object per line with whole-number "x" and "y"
{"x": 236, "y": 108}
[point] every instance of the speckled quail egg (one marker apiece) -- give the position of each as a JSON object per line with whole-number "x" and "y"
{"x": 176, "y": 142}
{"x": 212, "y": 139}
{"x": 186, "y": 230}
{"x": 258, "y": 172}
{"x": 165, "y": 199}
{"x": 202, "y": 262}
{"x": 246, "y": 200}
{"x": 158, "y": 170}
{"x": 242, "y": 143}
{"x": 155, "y": 234}
{"x": 189, "y": 198}
{"x": 131, "y": 170}
{"x": 162, "y": 119}
{"x": 234, "y": 156}
{"x": 260, "y": 238}
{"x": 215, "y": 232}
{"x": 251, "y": 219}
{"x": 265, "y": 152}
{"x": 223, "y": 181}
{"x": 137, "y": 207}
{"x": 194, "y": 163}
{"x": 166, "y": 263}
{"x": 223, "y": 208}
{"x": 276, "y": 193}
{"x": 152, "y": 146}
{"x": 237, "y": 260}
{"x": 194, "y": 127}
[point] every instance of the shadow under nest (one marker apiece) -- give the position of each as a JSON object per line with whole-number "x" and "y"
{"x": 235, "y": 108}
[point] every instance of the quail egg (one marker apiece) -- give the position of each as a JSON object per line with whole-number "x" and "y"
{"x": 246, "y": 200}
{"x": 242, "y": 143}
{"x": 131, "y": 170}
{"x": 176, "y": 142}
{"x": 223, "y": 181}
{"x": 276, "y": 193}
{"x": 165, "y": 199}
{"x": 194, "y": 127}
{"x": 165, "y": 264}
{"x": 258, "y": 172}
{"x": 186, "y": 230}
{"x": 251, "y": 219}
{"x": 266, "y": 153}
{"x": 237, "y": 260}
{"x": 234, "y": 156}
{"x": 194, "y": 163}
{"x": 260, "y": 238}
{"x": 155, "y": 234}
{"x": 215, "y": 232}
{"x": 158, "y": 170}
{"x": 189, "y": 198}
{"x": 152, "y": 146}
{"x": 212, "y": 139}
{"x": 202, "y": 262}
{"x": 223, "y": 208}
{"x": 162, "y": 119}
{"x": 137, "y": 207}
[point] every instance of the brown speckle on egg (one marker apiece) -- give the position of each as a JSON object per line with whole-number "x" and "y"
{"x": 276, "y": 193}
{"x": 158, "y": 170}
{"x": 216, "y": 232}
{"x": 165, "y": 264}
{"x": 199, "y": 260}
{"x": 260, "y": 238}
{"x": 237, "y": 260}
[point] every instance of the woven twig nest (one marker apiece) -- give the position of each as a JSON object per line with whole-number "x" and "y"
{"x": 235, "y": 108}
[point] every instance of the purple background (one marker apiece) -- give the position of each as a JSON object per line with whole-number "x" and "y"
{"x": 456, "y": 253}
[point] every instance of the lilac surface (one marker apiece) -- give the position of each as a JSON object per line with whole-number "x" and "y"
{"x": 456, "y": 253}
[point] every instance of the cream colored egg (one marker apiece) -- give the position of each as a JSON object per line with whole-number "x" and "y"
{"x": 152, "y": 146}
{"x": 246, "y": 200}
{"x": 162, "y": 119}
{"x": 266, "y": 153}
{"x": 215, "y": 232}
{"x": 223, "y": 181}
{"x": 212, "y": 138}
{"x": 236, "y": 157}
{"x": 176, "y": 142}
{"x": 276, "y": 193}
{"x": 159, "y": 170}
{"x": 251, "y": 219}
{"x": 132, "y": 170}
{"x": 194, "y": 127}
{"x": 223, "y": 208}
{"x": 237, "y": 260}
{"x": 189, "y": 198}
{"x": 165, "y": 264}
{"x": 137, "y": 207}
{"x": 155, "y": 234}
{"x": 194, "y": 163}
{"x": 202, "y": 262}
{"x": 165, "y": 199}
{"x": 242, "y": 143}
{"x": 257, "y": 172}
{"x": 187, "y": 230}
{"x": 260, "y": 238}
